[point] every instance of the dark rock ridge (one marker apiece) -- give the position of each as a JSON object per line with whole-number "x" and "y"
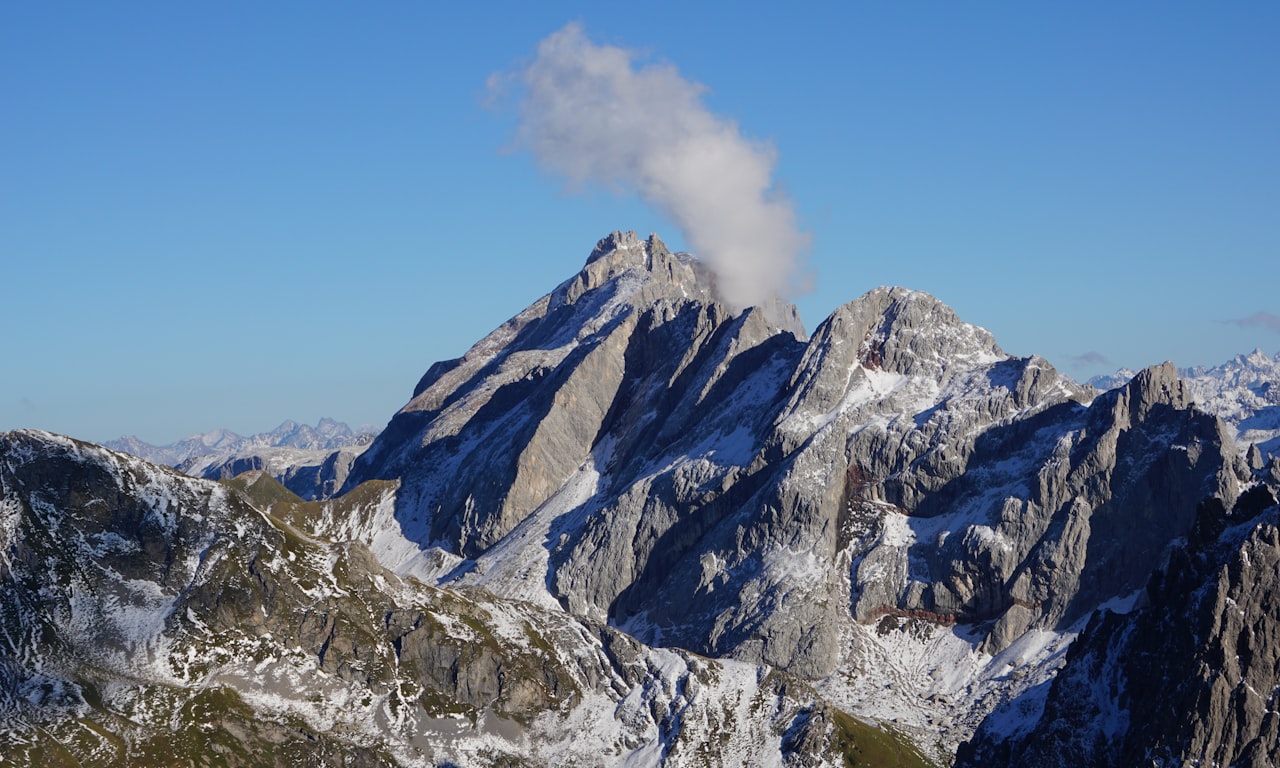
{"x": 1244, "y": 392}
{"x": 894, "y": 510}
{"x": 1190, "y": 678}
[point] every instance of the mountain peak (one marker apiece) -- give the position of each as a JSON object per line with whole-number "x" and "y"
{"x": 624, "y": 242}
{"x": 620, "y": 253}
{"x": 901, "y": 330}
{"x": 662, "y": 274}
{"x": 1257, "y": 359}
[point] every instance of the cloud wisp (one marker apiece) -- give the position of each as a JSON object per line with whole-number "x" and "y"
{"x": 1088, "y": 359}
{"x": 591, "y": 114}
{"x": 1263, "y": 320}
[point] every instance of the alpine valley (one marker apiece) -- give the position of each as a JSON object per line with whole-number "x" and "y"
{"x": 635, "y": 527}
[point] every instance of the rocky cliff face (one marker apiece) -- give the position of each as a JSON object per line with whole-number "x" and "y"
{"x": 489, "y": 438}
{"x": 1244, "y": 392}
{"x": 1188, "y": 678}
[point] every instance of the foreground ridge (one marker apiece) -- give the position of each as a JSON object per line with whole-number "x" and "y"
{"x": 191, "y": 618}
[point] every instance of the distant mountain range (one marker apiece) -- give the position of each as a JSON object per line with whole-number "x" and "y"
{"x": 633, "y": 527}
{"x": 326, "y": 435}
{"x": 310, "y": 461}
{"x": 1244, "y": 392}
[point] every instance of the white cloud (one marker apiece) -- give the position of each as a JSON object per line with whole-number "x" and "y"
{"x": 1090, "y": 358}
{"x": 591, "y": 115}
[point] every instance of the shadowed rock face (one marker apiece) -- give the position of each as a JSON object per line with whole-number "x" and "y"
{"x": 1105, "y": 490}
{"x": 1189, "y": 679}
{"x": 716, "y": 481}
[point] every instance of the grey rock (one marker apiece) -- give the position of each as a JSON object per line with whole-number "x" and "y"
{"x": 310, "y": 473}
{"x": 486, "y": 440}
{"x": 1244, "y": 392}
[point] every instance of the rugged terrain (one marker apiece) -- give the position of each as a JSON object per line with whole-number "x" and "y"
{"x": 150, "y": 617}
{"x": 894, "y": 507}
{"x": 1191, "y": 678}
{"x": 891, "y": 523}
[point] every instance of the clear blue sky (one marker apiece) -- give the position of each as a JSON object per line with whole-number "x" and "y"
{"x": 229, "y": 214}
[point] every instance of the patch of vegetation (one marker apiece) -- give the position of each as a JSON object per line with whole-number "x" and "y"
{"x": 868, "y": 746}
{"x": 262, "y": 490}
{"x": 267, "y": 494}
{"x": 212, "y": 729}
{"x": 363, "y": 495}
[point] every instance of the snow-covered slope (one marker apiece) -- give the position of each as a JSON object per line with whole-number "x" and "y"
{"x": 894, "y": 511}
{"x": 1190, "y": 678}
{"x": 1245, "y": 392}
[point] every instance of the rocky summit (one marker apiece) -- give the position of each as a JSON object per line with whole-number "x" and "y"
{"x": 633, "y": 526}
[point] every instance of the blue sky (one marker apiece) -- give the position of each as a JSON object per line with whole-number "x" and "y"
{"x": 226, "y": 215}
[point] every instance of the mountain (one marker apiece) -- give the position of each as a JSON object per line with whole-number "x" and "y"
{"x": 311, "y": 461}
{"x": 894, "y": 503}
{"x": 696, "y": 535}
{"x": 311, "y": 474}
{"x": 326, "y": 435}
{"x": 1244, "y": 392}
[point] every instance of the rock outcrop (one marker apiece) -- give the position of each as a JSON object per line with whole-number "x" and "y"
{"x": 1244, "y": 392}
